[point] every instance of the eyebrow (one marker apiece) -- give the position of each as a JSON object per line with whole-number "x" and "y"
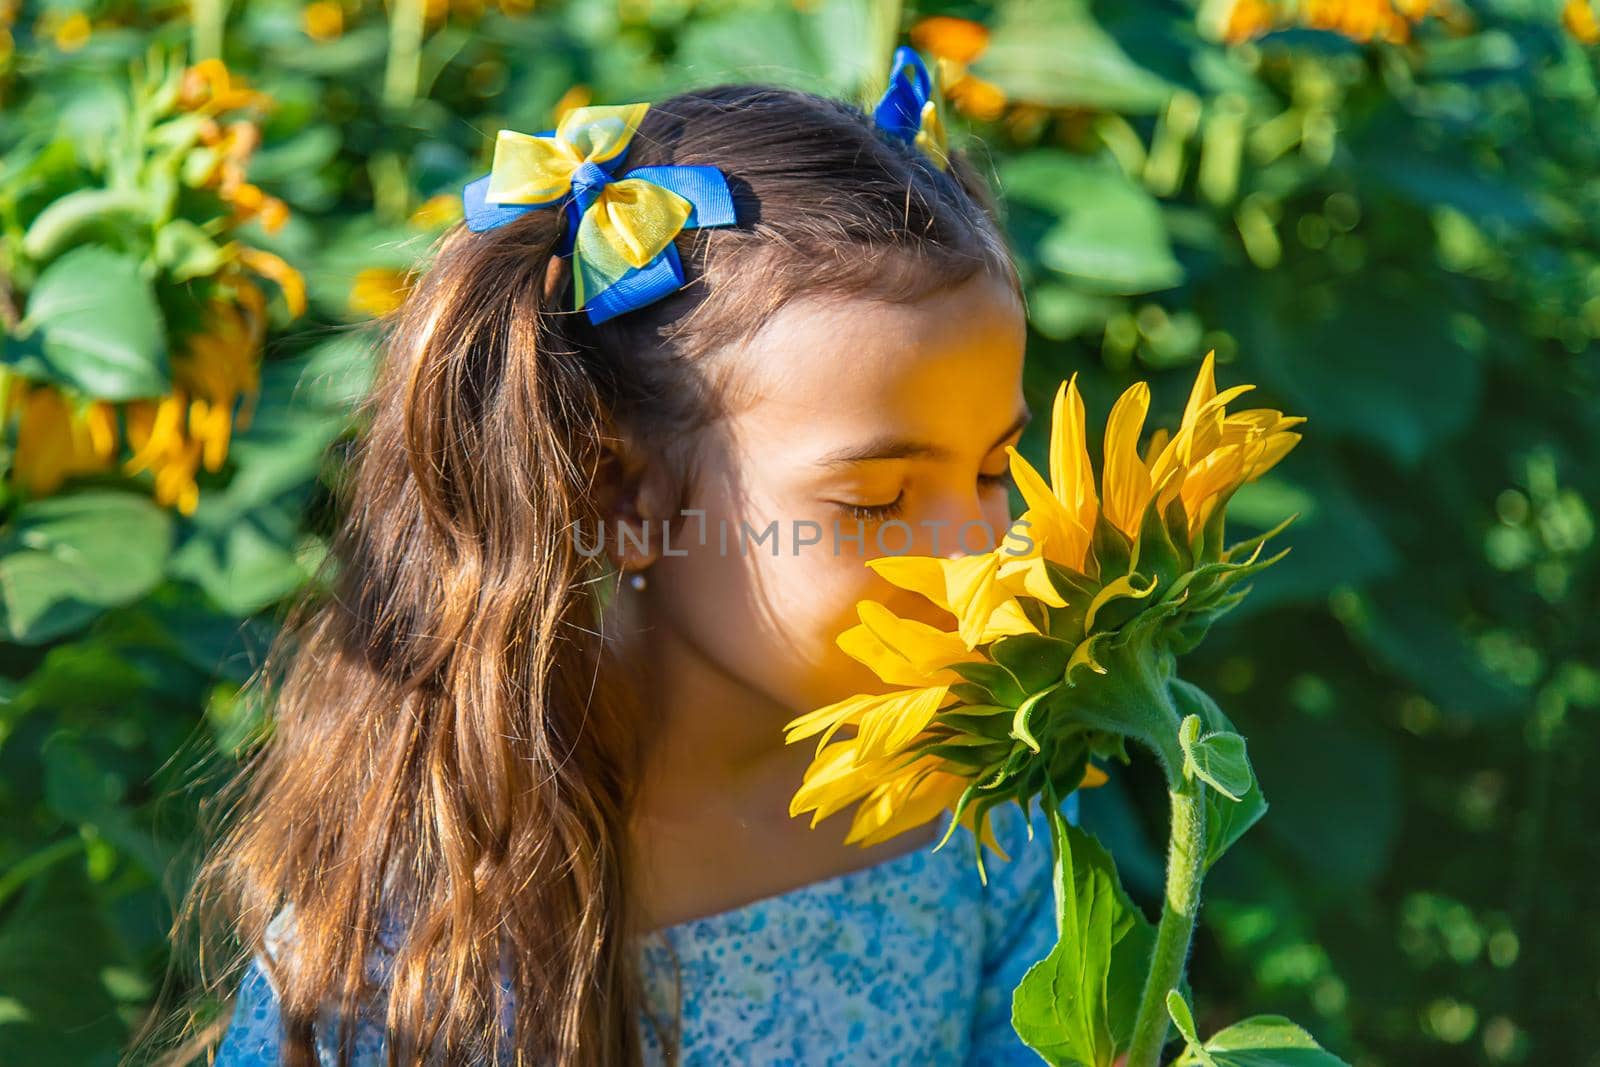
{"x": 890, "y": 447}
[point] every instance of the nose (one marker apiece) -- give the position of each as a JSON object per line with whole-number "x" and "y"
{"x": 966, "y": 525}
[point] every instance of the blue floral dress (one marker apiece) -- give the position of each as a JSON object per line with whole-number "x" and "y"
{"x": 910, "y": 961}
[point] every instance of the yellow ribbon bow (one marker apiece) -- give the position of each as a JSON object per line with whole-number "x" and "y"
{"x": 624, "y": 224}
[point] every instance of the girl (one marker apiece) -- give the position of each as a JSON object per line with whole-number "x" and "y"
{"x": 517, "y": 809}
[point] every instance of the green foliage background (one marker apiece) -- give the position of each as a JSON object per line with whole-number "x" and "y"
{"x": 1397, "y": 240}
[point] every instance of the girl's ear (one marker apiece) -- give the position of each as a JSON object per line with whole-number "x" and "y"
{"x": 633, "y": 491}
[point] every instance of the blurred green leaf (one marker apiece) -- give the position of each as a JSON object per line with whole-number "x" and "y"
{"x": 777, "y": 45}
{"x": 1335, "y": 796}
{"x": 1107, "y": 235}
{"x": 1425, "y": 646}
{"x": 185, "y": 251}
{"x": 67, "y": 217}
{"x": 103, "y": 332}
{"x": 1052, "y": 53}
{"x": 1356, "y": 366}
{"x": 248, "y": 563}
{"x": 65, "y": 559}
{"x": 59, "y": 1010}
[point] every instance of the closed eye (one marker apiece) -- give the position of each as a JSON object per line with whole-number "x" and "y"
{"x": 875, "y": 512}
{"x": 1003, "y": 478}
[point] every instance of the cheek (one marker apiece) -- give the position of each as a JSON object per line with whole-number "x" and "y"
{"x": 768, "y": 620}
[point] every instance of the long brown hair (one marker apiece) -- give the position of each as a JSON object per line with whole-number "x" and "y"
{"x": 449, "y": 740}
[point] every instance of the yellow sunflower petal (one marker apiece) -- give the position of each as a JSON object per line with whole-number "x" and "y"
{"x": 1029, "y": 577}
{"x": 902, "y": 651}
{"x": 904, "y": 802}
{"x": 919, "y": 574}
{"x": 840, "y": 713}
{"x": 831, "y": 782}
{"x": 1125, "y": 486}
{"x": 1071, "y": 473}
{"x": 1056, "y": 530}
{"x": 892, "y": 721}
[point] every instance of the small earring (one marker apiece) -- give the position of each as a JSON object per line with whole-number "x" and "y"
{"x": 637, "y": 580}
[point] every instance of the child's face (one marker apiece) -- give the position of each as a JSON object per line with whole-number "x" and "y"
{"x": 825, "y": 377}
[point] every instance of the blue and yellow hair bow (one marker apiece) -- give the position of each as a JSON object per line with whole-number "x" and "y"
{"x": 619, "y": 229}
{"x": 912, "y": 107}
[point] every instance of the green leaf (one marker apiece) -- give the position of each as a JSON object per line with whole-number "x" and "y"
{"x": 1343, "y": 363}
{"x": 1021, "y": 727}
{"x": 1111, "y": 551}
{"x": 1261, "y": 1041}
{"x": 1227, "y": 819}
{"x": 1072, "y": 1006}
{"x": 1341, "y": 836}
{"x": 1218, "y": 759}
{"x": 1417, "y": 637}
{"x": 186, "y": 251}
{"x": 57, "y": 1007}
{"x": 103, "y": 331}
{"x": 1052, "y": 53}
{"x": 1337, "y": 539}
{"x": 779, "y": 43}
{"x": 977, "y": 696}
{"x": 1183, "y": 1019}
{"x": 1037, "y": 662}
{"x": 70, "y": 214}
{"x": 1106, "y": 613}
{"x": 1154, "y": 554}
{"x": 256, "y": 561}
{"x": 67, "y": 558}
{"x": 998, "y": 684}
{"x": 83, "y": 785}
{"x": 348, "y": 56}
{"x": 1107, "y": 233}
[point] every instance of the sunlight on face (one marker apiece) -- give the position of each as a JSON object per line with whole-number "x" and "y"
{"x": 874, "y": 419}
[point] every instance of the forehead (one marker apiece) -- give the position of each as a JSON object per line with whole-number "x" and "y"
{"x": 826, "y": 366}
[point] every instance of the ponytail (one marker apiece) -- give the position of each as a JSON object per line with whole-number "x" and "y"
{"x": 441, "y": 751}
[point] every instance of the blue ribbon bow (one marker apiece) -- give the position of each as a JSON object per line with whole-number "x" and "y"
{"x": 581, "y": 158}
{"x": 910, "y": 107}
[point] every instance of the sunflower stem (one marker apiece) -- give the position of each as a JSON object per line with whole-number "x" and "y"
{"x": 402, "y": 71}
{"x": 207, "y": 18}
{"x": 1186, "y": 853}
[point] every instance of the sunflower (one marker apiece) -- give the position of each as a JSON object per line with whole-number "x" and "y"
{"x": 1578, "y": 18}
{"x": 58, "y": 437}
{"x": 1061, "y": 650}
{"x": 1359, "y": 20}
{"x": 955, "y": 44}
{"x": 215, "y": 380}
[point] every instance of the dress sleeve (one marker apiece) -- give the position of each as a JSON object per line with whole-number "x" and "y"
{"x": 255, "y": 1035}
{"x": 1019, "y": 931}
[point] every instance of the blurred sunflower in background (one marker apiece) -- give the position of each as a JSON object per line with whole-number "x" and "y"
{"x": 201, "y": 132}
{"x": 1360, "y": 20}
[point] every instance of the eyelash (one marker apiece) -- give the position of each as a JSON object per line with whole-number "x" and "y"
{"x": 871, "y": 512}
